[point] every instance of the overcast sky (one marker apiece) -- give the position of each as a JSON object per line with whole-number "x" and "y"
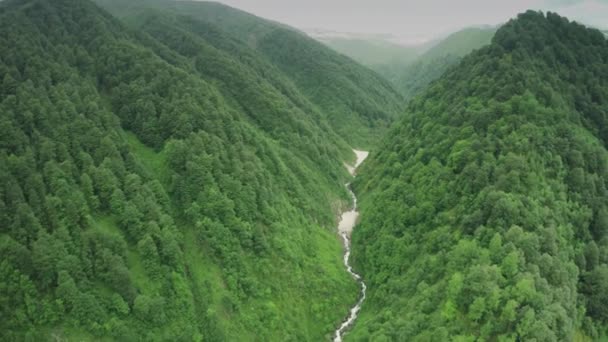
{"x": 413, "y": 20}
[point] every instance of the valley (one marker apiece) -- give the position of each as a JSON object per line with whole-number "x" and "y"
{"x": 346, "y": 225}
{"x": 188, "y": 171}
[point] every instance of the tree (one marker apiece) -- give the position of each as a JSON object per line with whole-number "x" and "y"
{"x": 44, "y": 258}
{"x": 148, "y": 251}
{"x": 67, "y": 291}
{"x": 596, "y": 287}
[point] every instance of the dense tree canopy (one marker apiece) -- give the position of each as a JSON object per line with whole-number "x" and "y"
{"x": 142, "y": 197}
{"x": 175, "y": 174}
{"x": 413, "y": 77}
{"x": 357, "y": 103}
{"x": 484, "y": 210}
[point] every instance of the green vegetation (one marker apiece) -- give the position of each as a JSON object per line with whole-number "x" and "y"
{"x": 485, "y": 210}
{"x": 161, "y": 181}
{"x": 375, "y": 53}
{"x": 172, "y": 172}
{"x": 414, "y": 77}
{"x": 462, "y": 42}
{"x": 357, "y": 103}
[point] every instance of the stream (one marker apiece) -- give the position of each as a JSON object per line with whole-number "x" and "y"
{"x": 345, "y": 228}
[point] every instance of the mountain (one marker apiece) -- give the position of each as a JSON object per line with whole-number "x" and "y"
{"x": 462, "y": 42}
{"x": 161, "y": 180}
{"x": 374, "y": 52}
{"x": 485, "y": 209}
{"x": 358, "y": 103}
{"x": 413, "y": 77}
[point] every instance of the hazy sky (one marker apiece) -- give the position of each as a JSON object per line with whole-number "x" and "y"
{"x": 413, "y": 20}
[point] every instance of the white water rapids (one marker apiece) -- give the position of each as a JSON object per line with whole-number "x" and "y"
{"x": 345, "y": 228}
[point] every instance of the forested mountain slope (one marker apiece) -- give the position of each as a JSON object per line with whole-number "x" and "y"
{"x": 142, "y": 199}
{"x": 485, "y": 210}
{"x": 414, "y": 77}
{"x": 375, "y": 53}
{"x": 252, "y": 84}
{"x": 461, "y": 43}
{"x": 358, "y": 103}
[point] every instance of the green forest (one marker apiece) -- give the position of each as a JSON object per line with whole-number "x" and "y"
{"x": 175, "y": 171}
{"x": 357, "y": 103}
{"x": 485, "y": 208}
{"x": 163, "y": 180}
{"x": 376, "y": 53}
{"x": 412, "y": 77}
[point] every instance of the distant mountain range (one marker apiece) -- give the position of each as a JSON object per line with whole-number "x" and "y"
{"x": 403, "y": 40}
{"x": 374, "y": 52}
{"x": 409, "y": 67}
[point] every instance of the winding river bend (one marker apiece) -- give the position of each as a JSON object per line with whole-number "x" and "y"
{"x": 345, "y": 228}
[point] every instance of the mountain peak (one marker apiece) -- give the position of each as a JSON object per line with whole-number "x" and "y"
{"x": 533, "y": 30}
{"x": 471, "y": 188}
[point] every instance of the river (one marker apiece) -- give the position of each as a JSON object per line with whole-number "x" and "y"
{"x": 345, "y": 228}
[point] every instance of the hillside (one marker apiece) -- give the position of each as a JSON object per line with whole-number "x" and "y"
{"x": 461, "y": 43}
{"x": 358, "y": 104}
{"x": 485, "y": 209}
{"x": 374, "y": 52}
{"x": 413, "y": 77}
{"x": 143, "y": 198}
